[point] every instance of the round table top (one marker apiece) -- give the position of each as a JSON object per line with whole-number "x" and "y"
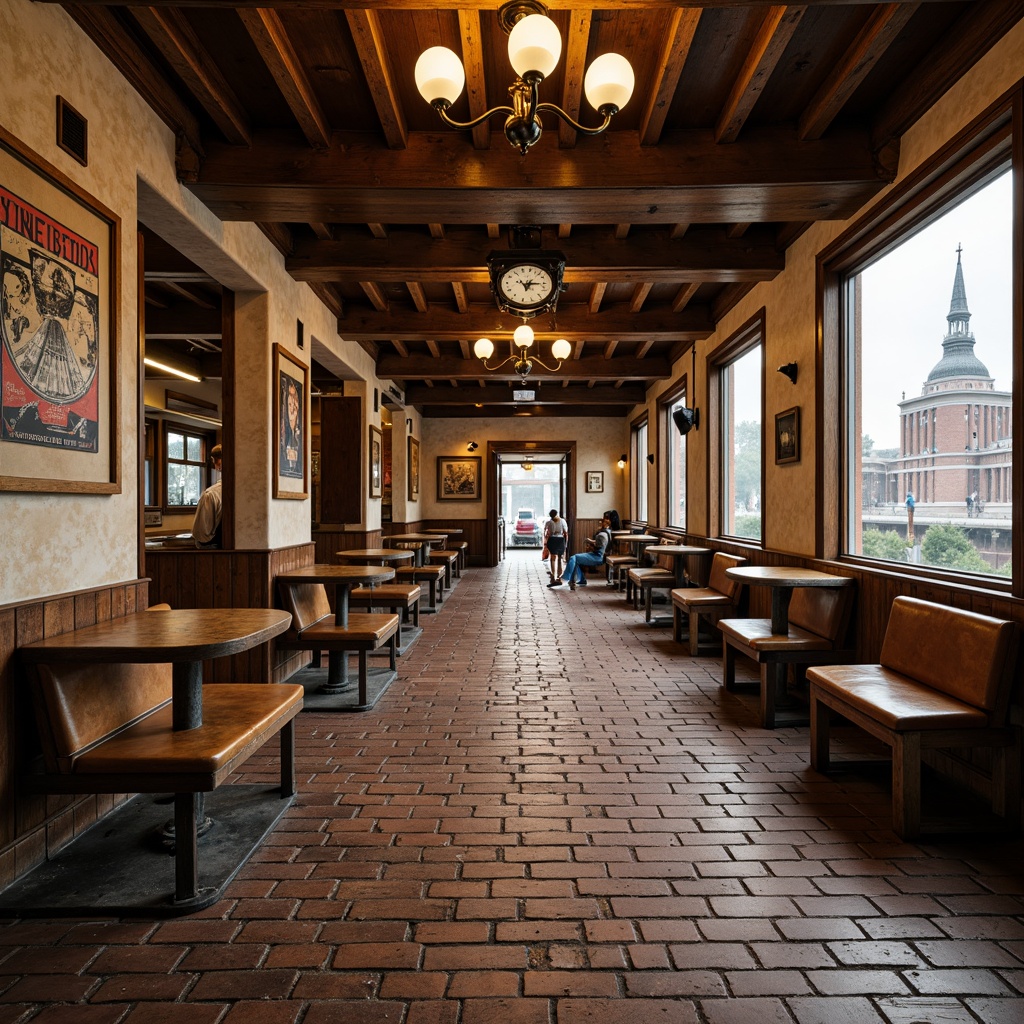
{"x": 375, "y": 554}
{"x": 786, "y": 576}
{"x": 323, "y": 572}
{"x": 181, "y": 634}
{"x": 639, "y": 538}
{"x": 448, "y": 531}
{"x": 422, "y": 538}
{"x": 682, "y": 549}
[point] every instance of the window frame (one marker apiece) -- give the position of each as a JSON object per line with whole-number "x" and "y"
{"x": 640, "y": 481}
{"x": 991, "y": 143}
{"x": 207, "y": 440}
{"x": 750, "y": 335}
{"x": 668, "y": 436}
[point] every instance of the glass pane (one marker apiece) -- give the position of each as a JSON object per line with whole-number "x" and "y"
{"x": 195, "y": 449}
{"x": 184, "y": 484}
{"x": 676, "y": 468}
{"x": 175, "y": 445}
{"x": 929, "y": 329}
{"x": 642, "y": 468}
{"x": 741, "y": 445}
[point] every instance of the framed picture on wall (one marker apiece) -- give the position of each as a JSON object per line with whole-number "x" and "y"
{"x": 414, "y": 469}
{"x": 595, "y": 481}
{"x": 787, "y": 436}
{"x": 458, "y": 478}
{"x": 291, "y": 446}
{"x": 376, "y": 462}
{"x": 59, "y": 413}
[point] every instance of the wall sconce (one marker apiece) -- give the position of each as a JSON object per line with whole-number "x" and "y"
{"x": 650, "y": 458}
{"x": 686, "y": 419}
{"x": 408, "y": 425}
{"x": 789, "y": 370}
{"x": 472, "y": 446}
{"x": 622, "y": 461}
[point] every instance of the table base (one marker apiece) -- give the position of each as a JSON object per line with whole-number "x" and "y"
{"x": 120, "y": 867}
{"x": 312, "y": 681}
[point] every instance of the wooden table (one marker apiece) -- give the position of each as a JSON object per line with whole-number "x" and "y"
{"x": 424, "y": 540}
{"x": 447, "y": 531}
{"x": 783, "y": 579}
{"x": 342, "y": 578}
{"x": 375, "y": 556}
{"x": 680, "y": 553}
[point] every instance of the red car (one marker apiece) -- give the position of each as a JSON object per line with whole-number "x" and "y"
{"x": 527, "y": 529}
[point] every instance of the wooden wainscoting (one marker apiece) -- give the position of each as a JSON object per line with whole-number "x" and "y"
{"x": 34, "y": 826}
{"x": 329, "y": 540}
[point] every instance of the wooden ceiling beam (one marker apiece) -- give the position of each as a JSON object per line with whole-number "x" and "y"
{"x": 670, "y": 67}
{"x": 707, "y": 254}
{"x": 461, "y": 301}
{"x": 853, "y": 67}
{"x": 574, "y": 322}
{"x": 639, "y": 296}
{"x": 175, "y": 38}
{"x": 501, "y": 394}
{"x": 288, "y": 70}
{"x": 575, "y": 49}
{"x": 683, "y": 296}
{"x": 476, "y": 79}
{"x": 597, "y": 290}
{"x": 473, "y": 5}
{"x": 330, "y": 297}
{"x": 322, "y": 231}
{"x": 369, "y": 41}
{"x": 419, "y": 298}
{"x": 768, "y": 176}
{"x": 773, "y": 37}
{"x": 375, "y": 294}
{"x": 427, "y": 368}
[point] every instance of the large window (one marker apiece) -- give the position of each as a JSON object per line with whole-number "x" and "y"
{"x": 675, "y": 454}
{"x": 739, "y": 372}
{"x": 184, "y": 466}
{"x": 927, "y": 343}
{"x": 640, "y": 471}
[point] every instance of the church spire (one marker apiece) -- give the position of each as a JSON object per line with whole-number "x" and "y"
{"x": 959, "y": 315}
{"x": 958, "y": 358}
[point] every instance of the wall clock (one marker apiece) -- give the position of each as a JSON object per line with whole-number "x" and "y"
{"x": 526, "y": 282}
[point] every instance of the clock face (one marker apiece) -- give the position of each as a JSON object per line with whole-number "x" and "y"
{"x": 526, "y": 285}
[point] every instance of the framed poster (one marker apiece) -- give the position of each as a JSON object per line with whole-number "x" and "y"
{"x": 291, "y": 449}
{"x": 458, "y": 478}
{"x": 787, "y": 436}
{"x": 414, "y": 469}
{"x": 59, "y": 279}
{"x": 595, "y": 481}
{"x": 376, "y": 462}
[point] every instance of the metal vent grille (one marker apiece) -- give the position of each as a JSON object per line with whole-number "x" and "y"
{"x": 72, "y": 131}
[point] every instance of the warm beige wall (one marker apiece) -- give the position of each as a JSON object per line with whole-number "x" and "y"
{"x": 596, "y": 440}
{"x": 789, "y": 301}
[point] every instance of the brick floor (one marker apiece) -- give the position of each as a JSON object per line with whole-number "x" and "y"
{"x": 556, "y": 816}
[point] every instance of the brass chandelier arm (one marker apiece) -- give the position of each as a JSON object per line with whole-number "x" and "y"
{"x": 607, "y": 112}
{"x": 441, "y": 106}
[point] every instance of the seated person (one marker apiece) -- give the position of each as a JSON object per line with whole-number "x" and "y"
{"x": 598, "y": 545}
{"x": 206, "y": 526}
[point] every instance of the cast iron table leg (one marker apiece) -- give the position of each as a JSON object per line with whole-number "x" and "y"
{"x": 337, "y": 661}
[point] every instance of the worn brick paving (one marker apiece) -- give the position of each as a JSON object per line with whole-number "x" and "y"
{"x": 555, "y": 816}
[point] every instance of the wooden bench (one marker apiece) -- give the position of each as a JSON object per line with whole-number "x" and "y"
{"x": 722, "y": 597}
{"x": 642, "y": 580}
{"x": 432, "y": 575}
{"x": 461, "y": 547}
{"x": 944, "y": 680}
{"x": 402, "y": 599}
{"x": 108, "y": 728}
{"x": 314, "y": 629}
{"x": 449, "y": 559}
{"x": 819, "y": 621}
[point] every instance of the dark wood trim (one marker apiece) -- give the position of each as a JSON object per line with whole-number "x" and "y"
{"x": 140, "y": 402}
{"x": 229, "y": 431}
{"x": 1017, "y": 319}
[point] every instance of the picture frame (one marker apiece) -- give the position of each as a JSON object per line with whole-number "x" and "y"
{"x": 291, "y": 416}
{"x": 59, "y": 431}
{"x": 595, "y": 481}
{"x": 414, "y": 469}
{"x": 458, "y": 478}
{"x": 376, "y": 462}
{"x": 787, "y": 436}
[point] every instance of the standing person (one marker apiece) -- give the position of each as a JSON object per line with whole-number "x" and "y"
{"x": 598, "y": 544}
{"x": 556, "y": 532}
{"x": 206, "y": 526}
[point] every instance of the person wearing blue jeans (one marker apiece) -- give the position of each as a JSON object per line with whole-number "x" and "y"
{"x": 595, "y": 556}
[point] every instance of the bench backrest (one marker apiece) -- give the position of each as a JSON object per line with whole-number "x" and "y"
{"x": 77, "y": 706}
{"x": 661, "y": 561}
{"x": 969, "y": 656}
{"x": 307, "y": 602}
{"x": 822, "y": 610}
{"x": 717, "y": 580}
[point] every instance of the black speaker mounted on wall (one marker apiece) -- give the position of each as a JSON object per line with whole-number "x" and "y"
{"x": 686, "y": 419}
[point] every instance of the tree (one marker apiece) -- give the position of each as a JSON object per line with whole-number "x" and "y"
{"x": 747, "y": 468}
{"x": 950, "y": 547}
{"x": 883, "y": 544}
{"x": 867, "y": 444}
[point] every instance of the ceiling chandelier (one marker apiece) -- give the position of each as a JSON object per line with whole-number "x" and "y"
{"x": 518, "y": 348}
{"x": 534, "y": 47}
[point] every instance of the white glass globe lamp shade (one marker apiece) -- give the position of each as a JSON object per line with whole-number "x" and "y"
{"x": 561, "y": 349}
{"x": 534, "y": 44}
{"x": 440, "y": 75}
{"x": 483, "y": 348}
{"x": 523, "y": 334}
{"x": 609, "y": 81}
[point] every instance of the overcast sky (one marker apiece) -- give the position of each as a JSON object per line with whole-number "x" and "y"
{"x": 906, "y": 298}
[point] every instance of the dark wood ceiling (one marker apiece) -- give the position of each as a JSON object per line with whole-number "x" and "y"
{"x": 749, "y": 121}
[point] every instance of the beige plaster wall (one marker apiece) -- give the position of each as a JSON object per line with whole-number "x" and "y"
{"x": 596, "y": 440}
{"x": 789, "y": 301}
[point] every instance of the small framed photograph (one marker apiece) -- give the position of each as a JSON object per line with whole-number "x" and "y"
{"x": 458, "y": 478}
{"x": 414, "y": 469}
{"x": 787, "y": 436}
{"x": 291, "y": 448}
{"x": 595, "y": 481}
{"x": 376, "y": 462}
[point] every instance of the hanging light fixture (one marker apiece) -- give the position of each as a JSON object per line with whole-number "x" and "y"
{"x": 528, "y": 466}
{"x": 534, "y": 47}
{"x": 518, "y": 348}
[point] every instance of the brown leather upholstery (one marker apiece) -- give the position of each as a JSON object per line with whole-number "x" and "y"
{"x": 700, "y": 597}
{"x": 308, "y": 604}
{"x": 758, "y": 636}
{"x": 387, "y": 594}
{"x": 822, "y": 610}
{"x": 958, "y": 652}
{"x": 717, "y": 579}
{"x": 369, "y": 630}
